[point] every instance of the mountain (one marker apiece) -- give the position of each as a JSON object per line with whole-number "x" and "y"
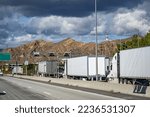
{"x": 43, "y": 48}
{"x": 74, "y": 48}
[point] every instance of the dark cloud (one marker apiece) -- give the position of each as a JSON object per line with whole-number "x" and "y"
{"x": 3, "y": 37}
{"x": 76, "y": 8}
{"x": 3, "y": 34}
{"x": 10, "y": 25}
{"x": 145, "y": 6}
{"x": 6, "y": 12}
{"x": 24, "y": 19}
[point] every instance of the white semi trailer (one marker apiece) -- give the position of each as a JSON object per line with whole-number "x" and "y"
{"x": 85, "y": 67}
{"x": 48, "y": 68}
{"x": 17, "y": 70}
{"x": 131, "y": 65}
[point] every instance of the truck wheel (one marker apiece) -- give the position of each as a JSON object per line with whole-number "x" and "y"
{"x": 133, "y": 81}
{"x": 107, "y": 80}
{"x": 126, "y": 81}
{"x": 122, "y": 81}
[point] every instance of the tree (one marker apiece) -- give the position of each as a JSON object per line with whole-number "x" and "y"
{"x": 147, "y": 39}
{"x": 135, "y": 42}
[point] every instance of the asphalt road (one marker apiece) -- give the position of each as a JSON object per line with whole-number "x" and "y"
{"x": 14, "y": 92}
{"x": 19, "y": 89}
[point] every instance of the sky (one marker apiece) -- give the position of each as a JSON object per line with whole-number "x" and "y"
{"x": 22, "y": 21}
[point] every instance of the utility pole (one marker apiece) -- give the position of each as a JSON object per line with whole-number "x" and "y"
{"x": 96, "y": 45}
{"x": 16, "y": 65}
{"x": 57, "y": 65}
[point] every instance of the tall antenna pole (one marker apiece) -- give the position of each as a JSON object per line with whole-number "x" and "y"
{"x": 120, "y": 38}
{"x": 96, "y": 45}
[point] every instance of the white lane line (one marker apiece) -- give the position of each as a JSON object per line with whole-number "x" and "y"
{"x": 29, "y": 87}
{"x": 47, "y": 93}
{"x": 80, "y": 91}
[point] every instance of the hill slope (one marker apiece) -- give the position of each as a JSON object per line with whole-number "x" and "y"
{"x": 26, "y": 52}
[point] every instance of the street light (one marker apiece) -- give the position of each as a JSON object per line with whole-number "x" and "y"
{"x": 96, "y": 45}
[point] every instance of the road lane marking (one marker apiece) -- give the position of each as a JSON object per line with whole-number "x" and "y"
{"x": 79, "y": 91}
{"x": 47, "y": 93}
{"x": 29, "y": 87}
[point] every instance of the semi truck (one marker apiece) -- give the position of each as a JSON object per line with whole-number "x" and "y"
{"x": 85, "y": 68}
{"x": 17, "y": 70}
{"x": 132, "y": 65}
{"x": 48, "y": 68}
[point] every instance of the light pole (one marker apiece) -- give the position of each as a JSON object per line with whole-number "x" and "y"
{"x": 16, "y": 64}
{"x": 96, "y": 45}
{"x": 57, "y": 65}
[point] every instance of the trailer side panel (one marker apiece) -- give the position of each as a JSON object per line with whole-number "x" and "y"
{"x": 77, "y": 66}
{"x": 135, "y": 63}
{"x": 47, "y": 67}
{"x": 101, "y": 66}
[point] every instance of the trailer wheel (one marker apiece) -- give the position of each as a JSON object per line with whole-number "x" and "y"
{"x": 133, "y": 81}
{"x": 126, "y": 81}
{"x": 107, "y": 80}
{"x": 122, "y": 80}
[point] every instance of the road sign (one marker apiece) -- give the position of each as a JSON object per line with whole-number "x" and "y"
{"x": 26, "y": 62}
{"x": 5, "y": 56}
